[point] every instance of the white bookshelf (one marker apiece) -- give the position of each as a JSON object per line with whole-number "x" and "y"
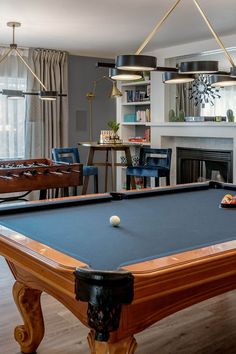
{"x": 128, "y": 106}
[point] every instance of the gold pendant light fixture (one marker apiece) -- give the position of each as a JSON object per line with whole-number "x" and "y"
{"x": 44, "y": 94}
{"x": 186, "y": 70}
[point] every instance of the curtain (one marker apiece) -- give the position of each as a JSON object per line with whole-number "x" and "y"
{"x": 222, "y": 104}
{"x": 47, "y": 121}
{"x": 13, "y": 76}
{"x": 184, "y": 103}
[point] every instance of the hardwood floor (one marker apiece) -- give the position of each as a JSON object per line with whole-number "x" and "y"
{"x": 205, "y": 328}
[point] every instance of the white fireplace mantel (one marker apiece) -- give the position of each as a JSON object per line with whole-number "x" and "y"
{"x": 207, "y": 135}
{"x": 204, "y": 129}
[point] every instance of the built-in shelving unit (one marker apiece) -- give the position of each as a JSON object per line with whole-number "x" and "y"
{"x": 134, "y": 116}
{"x": 134, "y": 111}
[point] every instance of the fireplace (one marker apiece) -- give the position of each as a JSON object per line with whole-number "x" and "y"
{"x": 196, "y": 165}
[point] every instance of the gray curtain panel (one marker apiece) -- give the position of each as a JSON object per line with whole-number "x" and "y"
{"x": 184, "y": 103}
{"x": 46, "y": 121}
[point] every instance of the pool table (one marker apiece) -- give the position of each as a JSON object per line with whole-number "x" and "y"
{"x": 175, "y": 246}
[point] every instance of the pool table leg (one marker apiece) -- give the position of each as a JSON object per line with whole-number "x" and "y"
{"x": 31, "y": 333}
{"x": 124, "y": 346}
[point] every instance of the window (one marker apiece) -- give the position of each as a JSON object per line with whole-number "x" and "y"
{"x": 12, "y": 120}
{"x": 13, "y": 76}
{"x": 222, "y": 104}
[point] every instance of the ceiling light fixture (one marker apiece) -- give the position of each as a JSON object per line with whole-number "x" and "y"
{"x": 222, "y": 80}
{"x": 198, "y": 67}
{"x": 115, "y": 92}
{"x": 116, "y": 74}
{"x": 176, "y": 78}
{"x": 44, "y": 94}
{"x": 13, "y": 94}
{"x": 142, "y": 62}
{"x": 147, "y": 63}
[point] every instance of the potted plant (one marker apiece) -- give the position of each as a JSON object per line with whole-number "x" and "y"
{"x": 114, "y": 127}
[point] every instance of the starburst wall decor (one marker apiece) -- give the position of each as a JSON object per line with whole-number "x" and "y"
{"x": 201, "y": 91}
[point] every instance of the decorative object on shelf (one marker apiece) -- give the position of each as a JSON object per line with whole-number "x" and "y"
{"x": 201, "y": 119}
{"x": 44, "y": 94}
{"x": 139, "y": 62}
{"x": 230, "y": 115}
{"x": 173, "y": 117}
{"x": 115, "y": 92}
{"x": 114, "y": 137}
{"x": 201, "y": 92}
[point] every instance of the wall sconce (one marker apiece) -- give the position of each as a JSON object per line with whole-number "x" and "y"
{"x": 115, "y": 92}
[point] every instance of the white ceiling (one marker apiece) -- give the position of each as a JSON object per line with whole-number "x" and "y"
{"x": 106, "y": 28}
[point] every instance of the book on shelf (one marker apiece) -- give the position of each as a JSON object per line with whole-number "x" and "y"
{"x": 148, "y": 135}
{"x": 143, "y": 115}
{"x": 136, "y": 96}
{"x": 140, "y": 116}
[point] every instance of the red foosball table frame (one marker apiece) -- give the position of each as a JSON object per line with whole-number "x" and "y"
{"x": 37, "y": 174}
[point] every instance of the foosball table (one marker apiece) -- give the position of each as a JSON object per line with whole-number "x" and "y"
{"x": 37, "y": 174}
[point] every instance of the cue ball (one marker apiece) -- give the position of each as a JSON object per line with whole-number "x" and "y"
{"x": 114, "y": 220}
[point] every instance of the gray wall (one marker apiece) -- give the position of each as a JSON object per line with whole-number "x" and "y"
{"x": 82, "y": 73}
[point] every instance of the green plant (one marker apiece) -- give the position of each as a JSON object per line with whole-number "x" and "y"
{"x": 181, "y": 116}
{"x": 114, "y": 126}
{"x": 172, "y": 117}
{"x": 230, "y": 115}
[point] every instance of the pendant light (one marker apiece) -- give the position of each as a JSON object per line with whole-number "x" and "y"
{"x": 44, "y": 94}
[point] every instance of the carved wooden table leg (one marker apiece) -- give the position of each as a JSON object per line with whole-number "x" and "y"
{"x": 124, "y": 346}
{"x": 31, "y": 333}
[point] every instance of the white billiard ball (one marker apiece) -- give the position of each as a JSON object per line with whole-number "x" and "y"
{"x": 115, "y": 220}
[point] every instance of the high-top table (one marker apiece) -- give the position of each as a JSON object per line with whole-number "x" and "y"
{"x": 113, "y": 148}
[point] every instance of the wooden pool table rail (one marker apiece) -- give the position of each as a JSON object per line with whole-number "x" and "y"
{"x": 161, "y": 287}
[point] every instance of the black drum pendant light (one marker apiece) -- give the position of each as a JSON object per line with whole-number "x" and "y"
{"x": 222, "y": 80}
{"x": 116, "y": 74}
{"x": 199, "y": 67}
{"x": 176, "y": 78}
{"x": 137, "y": 62}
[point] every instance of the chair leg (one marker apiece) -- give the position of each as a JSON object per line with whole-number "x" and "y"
{"x": 157, "y": 182}
{"x": 168, "y": 180}
{"x": 144, "y": 182}
{"x": 66, "y": 192}
{"x": 57, "y": 193}
{"x": 128, "y": 182}
{"x": 95, "y": 183}
{"x": 43, "y": 194}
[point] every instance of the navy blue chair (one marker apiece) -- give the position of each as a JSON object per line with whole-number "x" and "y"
{"x": 71, "y": 155}
{"x": 152, "y": 163}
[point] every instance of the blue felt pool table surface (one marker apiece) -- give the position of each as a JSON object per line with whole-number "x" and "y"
{"x": 152, "y": 226}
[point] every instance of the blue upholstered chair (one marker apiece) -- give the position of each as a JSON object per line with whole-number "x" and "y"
{"x": 71, "y": 155}
{"x": 152, "y": 163}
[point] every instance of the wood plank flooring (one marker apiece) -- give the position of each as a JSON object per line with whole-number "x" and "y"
{"x": 205, "y": 328}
